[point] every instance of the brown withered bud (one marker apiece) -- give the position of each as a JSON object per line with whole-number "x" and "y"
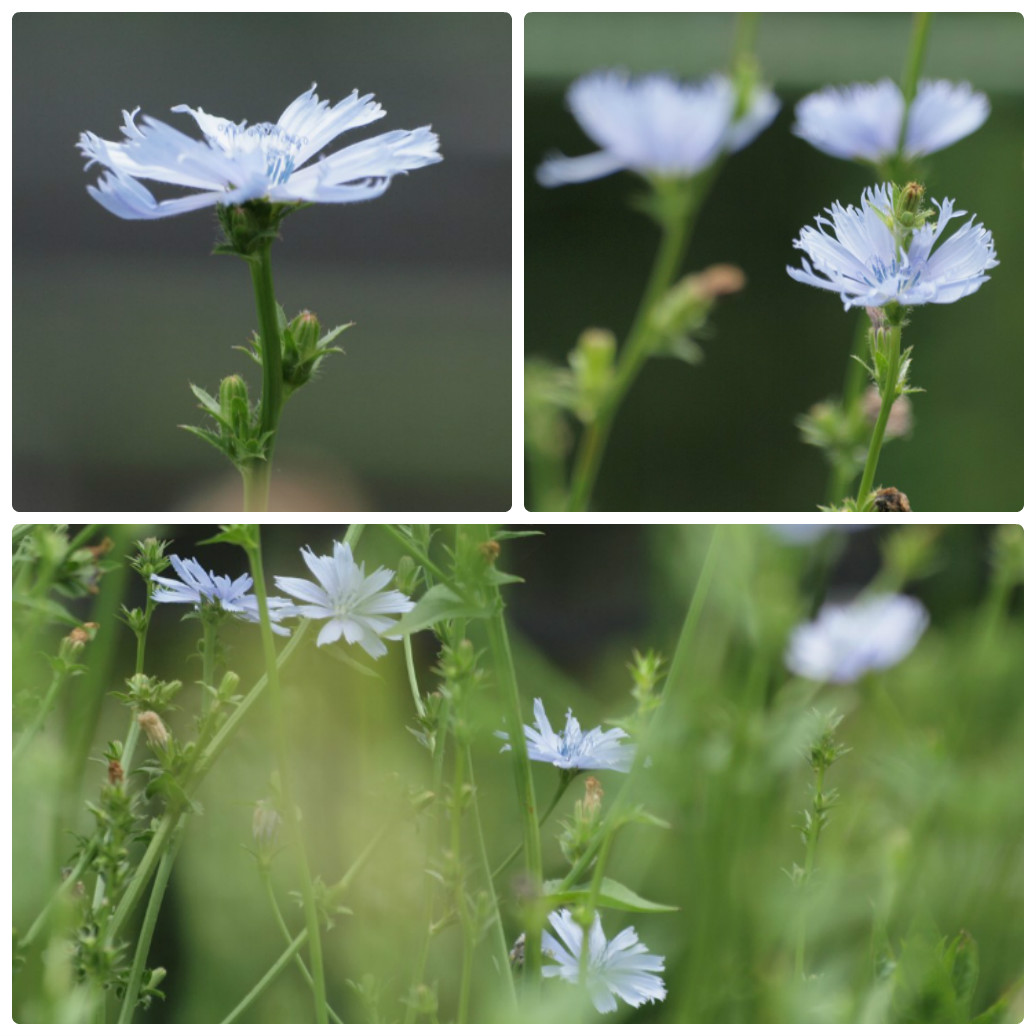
{"x": 154, "y": 729}
{"x": 102, "y": 548}
{"x": 115, "y": 772}
{"x": 78, "y": 636}
{"x": 891, "y": 499}
{"x": 490, "y": 550}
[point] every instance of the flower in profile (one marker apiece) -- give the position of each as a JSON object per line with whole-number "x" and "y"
{"x": 865, "y": 120}
{"x": 235, "y": 162}
{"x": 198, "y": 587}
{"x": 573, "y": 749}
{"x": 621, "y": 968}
{"x": 657, "y": 126}
{"x": 868, "y": 265}
{"x": 845, "y": 641}
{"x": 353, "y": 602}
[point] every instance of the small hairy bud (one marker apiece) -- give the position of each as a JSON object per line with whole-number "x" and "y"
{"x": 115, "y": 772}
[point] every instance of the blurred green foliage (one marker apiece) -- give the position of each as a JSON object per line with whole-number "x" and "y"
{"x": 722, "y": 435}
{"x": 916, "y": 910}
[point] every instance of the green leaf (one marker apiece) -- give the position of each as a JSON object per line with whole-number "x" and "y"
{"x": 439, "y": 604}
{"x": 612, "y": 894}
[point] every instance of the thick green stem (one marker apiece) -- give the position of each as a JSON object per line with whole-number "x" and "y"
{"x": 316, "y": 958}
{"x": 636, "y": 349}
{"x": 889, "y": 392}
{"x": 147, "y": 928}
{"x": 503, "y": 666}
{"x": 257, "y": 478}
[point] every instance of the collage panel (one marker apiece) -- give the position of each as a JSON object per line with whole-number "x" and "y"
{"x": 558, "y": 773}
{"x": 357, "y": 193}
{"x": 773, "y": 262}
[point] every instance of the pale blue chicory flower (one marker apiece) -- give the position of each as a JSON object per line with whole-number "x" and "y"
{"x": 236, "y": 162}
{"x": 620, "y": 968}
{"x": 196, "y": 586}
{"x": 845, "y": 641}
{"x": 353, "y": 602}
{"x": 863, "y": 261}
{"x": 656, "y": 126}
{"x": 574, "y": 749}
{"x": 865, "y": 120}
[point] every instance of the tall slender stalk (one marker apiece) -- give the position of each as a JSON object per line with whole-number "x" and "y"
{"x": 316, "y": 957}
{"x": 889, "y": 391}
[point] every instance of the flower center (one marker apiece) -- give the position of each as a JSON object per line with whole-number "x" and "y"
{"x": 276, "y": 149}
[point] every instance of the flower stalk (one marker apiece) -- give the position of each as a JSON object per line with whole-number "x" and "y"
{"x": 890, "y": 391}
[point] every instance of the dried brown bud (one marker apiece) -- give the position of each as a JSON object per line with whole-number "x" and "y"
{"x": 154, "y": 729}
{"x": 115, "y": 772}
{"x": 891, "y": 499}
{"x": 78, "y": 636}
{"x": 490, "y": 550}
{"x": 102, "y": 548}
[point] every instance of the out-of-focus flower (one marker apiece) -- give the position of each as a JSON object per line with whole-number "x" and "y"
{"x": 657, "y": 126}
{"x": 196, "y": 586}
{"x": 868, "y": 266}
{"x": 574, "y": 749}
{"x": 845, "y": 641}
{"x": 620, "y": 968}
{"x": 865, "y": 120}
{"x": 235, "y": 162}
{"x": 353, "y": 602}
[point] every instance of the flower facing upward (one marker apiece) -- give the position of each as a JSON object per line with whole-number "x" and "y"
{"x": 354, "y": 603}
{"x": 573, "y": 749}
{"x": 865, "y": 263}
{"x": 845, "y": 641}
{"x": 198, "y": 587}
{"x": 865, "y": 120}
{"x": 621, "y": 968}
{"x": 656, "y": 126}
{"x": 236, "y": 162}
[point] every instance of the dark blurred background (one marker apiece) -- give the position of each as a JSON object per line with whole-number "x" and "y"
{"x": 722, "y": 435}
{"x": 113, "y": 319}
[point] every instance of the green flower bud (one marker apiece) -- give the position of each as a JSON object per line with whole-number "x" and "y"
{"x": 234, "y": 406}
{"x": 593, "y": 366}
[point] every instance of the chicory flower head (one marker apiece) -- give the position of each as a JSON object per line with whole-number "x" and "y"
{"x": 865, "y": 120}
{"x": 656, "y": 126}
{"x": 353, "y": 603}
{"x": 845, "y": 641}
{"x": 198, "y": 587}
{"x": 869, "y": 265}
{"x": 235, "y": 162}
{"x": 620, "y": 968}
{"x": 574, "y": 749}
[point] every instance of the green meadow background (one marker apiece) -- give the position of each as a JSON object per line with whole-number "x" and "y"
{"x": 925, "y": 842}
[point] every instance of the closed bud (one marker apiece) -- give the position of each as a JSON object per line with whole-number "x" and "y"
{"x": 234, "y": 405}
{"x": 593, "y": 368}
{"x": 266, "y": 822}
